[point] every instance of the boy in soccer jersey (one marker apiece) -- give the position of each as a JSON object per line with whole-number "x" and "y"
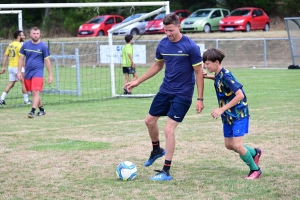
{"x": 182, "y": 60}
{"x": 233, "y": 109}
{"x": 127, "y": 61}
{"x": 37, "y": 54}
{"x": 12, "y": 53}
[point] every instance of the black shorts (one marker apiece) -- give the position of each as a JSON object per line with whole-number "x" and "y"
{"x": 128, "y": 70}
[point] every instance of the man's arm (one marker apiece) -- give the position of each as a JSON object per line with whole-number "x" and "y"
{"x": 20, "y": 64}
{"x": 200, "y": 87}
{"x": 4, "y": 64}
{"x": 49, "y": 68}
{"x": 154, "y": 69}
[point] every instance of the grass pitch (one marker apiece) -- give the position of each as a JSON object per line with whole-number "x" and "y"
{"x": 72, "y": 151}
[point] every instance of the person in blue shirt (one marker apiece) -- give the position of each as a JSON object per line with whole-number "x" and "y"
{"x": 182, "y": 60}
{"x": 233, "y": 109}
{"x": 37, "y": 54}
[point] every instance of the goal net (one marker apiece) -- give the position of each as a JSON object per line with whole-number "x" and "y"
{"x": 87, "y": 68}
{"x": 293, "y": 30}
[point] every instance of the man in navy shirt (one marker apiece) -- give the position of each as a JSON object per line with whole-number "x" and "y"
{"x": 182, "y": 60}
{"x": 37, "y": 54}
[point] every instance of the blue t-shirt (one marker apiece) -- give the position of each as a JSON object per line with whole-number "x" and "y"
{"x": 35, "y": 55}
{"x": 226, "y": 86}
{"x": 179, "y": 57}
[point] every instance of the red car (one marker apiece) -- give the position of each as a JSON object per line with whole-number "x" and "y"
{"x": 156, "y": 25}
{"x": 245, "y": 19}
{"x": 98, "y": 25}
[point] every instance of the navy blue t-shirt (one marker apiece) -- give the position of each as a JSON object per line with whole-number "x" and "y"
{"x": 180, "y": 58}
{"x": 35, "y": 55}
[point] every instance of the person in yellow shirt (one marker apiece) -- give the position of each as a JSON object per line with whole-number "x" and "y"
{"x": 12, "y": 54}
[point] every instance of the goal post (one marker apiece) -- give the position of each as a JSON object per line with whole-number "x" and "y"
{"x": 293, "y": 31}
{"x": 112, "y": 53}
{"x": 78, "y": 73}
{"x": 19, "y": 12}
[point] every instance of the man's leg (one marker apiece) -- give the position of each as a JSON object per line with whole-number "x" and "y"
{"x": 6, "y": 90}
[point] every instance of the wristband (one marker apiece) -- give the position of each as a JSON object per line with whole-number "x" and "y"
{"x": 200, "y": 99}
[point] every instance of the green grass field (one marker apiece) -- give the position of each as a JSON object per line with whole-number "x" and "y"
{"x": 72, "y": 151}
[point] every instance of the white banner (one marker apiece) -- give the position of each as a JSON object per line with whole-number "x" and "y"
{"x": 139, "y": 54}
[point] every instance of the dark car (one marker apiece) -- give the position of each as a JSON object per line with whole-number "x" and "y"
{"x": 245, "y": 19}
{"x": 98, "y": 25}
{"x": 156, "y": 25}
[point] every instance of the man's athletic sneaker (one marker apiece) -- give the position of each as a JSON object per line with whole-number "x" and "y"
{"x": 161, "y": 176}
{"x": 254, "y": 175}
{"x": 154, "y": 156}
{"x": 31, "y": 115}
{"x": 257, "y": 156}
{"x": 27, "y": 102}
{"x": 2, "y": 102}
{"x": 40, "y": 113}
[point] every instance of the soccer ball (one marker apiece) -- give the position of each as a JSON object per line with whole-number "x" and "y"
{"x": 126, "y": 171}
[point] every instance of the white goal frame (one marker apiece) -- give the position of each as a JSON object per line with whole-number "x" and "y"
{"x": 165, "y": 6}
{"x": 20, "y": 19}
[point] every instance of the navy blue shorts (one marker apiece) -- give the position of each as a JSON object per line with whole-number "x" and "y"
{"x": 170, "y": 105}
{"x": 237, "y": 129}
{"x": 128, "y": 70}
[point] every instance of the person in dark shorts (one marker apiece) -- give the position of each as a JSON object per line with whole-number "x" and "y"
{"x": 182, "y": 60}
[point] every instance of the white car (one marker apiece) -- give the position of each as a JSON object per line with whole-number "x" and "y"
{"x": 135, "y": 28}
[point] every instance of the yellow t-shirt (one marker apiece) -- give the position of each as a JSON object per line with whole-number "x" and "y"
{"x": 12, "y": 51}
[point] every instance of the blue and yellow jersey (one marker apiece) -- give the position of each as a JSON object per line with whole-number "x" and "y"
{"x": 127, "y": 49}
{"x": 180, "y": 58}
{"x": 226, "y": 86}
{"x": 12, "y": 51}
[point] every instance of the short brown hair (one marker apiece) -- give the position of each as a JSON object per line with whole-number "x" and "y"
{"x": 213, "y": 55}
{"x": 171, "y": 19}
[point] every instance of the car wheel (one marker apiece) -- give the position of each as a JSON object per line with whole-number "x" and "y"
{"x": 267, "y": 27}
{"x": 248, "y": 27}
{"x": 134, "y": 32}
{"x": 207, "y": 28}
{"x": 100, "y": 33}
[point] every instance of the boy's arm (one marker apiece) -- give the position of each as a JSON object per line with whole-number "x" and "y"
{"x": 219, "y": 111}
{"x": 130, "y": 58}
{"x": 205, "y": 75}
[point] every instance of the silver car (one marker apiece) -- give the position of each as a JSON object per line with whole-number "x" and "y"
{"x": 135, "y": 28}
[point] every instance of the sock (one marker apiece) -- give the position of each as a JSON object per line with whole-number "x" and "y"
{"x": 167, "y": 166}
{"x": 155, "y": 146}
{"x": 25, "y": 97}
{"x": 3, "y": 96}
{"x": 32, "y": 110}
{"x": 251, "y": 150}
{"x": 248, "y": 159}
{"x": 41, "y": 108}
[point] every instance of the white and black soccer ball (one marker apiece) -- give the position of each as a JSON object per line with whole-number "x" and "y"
{"x": 126, "y": 171}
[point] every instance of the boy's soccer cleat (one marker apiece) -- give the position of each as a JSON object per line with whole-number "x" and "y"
{"x": 257, "y": 156}
{"x": 31, "y": 115}
{"x": 153, "y": 156}
{"x": 2, "y": 102}
{"x": 27, "y": 102}
{"x": 161, "y": 176}
{"x": 254, "y": 175}
{"x": 41, "y": 113}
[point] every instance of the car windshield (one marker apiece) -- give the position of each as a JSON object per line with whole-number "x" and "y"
{"x": 132, "y": 17}
{"x": 200, "y": 13}
{"x": 161, "y": 15}
{"x": 96, "y": 20}
{"x": 240, "y": 13}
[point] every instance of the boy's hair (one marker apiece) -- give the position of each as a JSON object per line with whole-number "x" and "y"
{"x": 171, "y": 19}
{"x": 213, "y": 55}
{"x": 17, "y": 33}
{"x": 128, "y": 38}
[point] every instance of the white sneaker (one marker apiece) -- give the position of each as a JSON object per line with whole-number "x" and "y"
{"x": 27, "y": 102}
